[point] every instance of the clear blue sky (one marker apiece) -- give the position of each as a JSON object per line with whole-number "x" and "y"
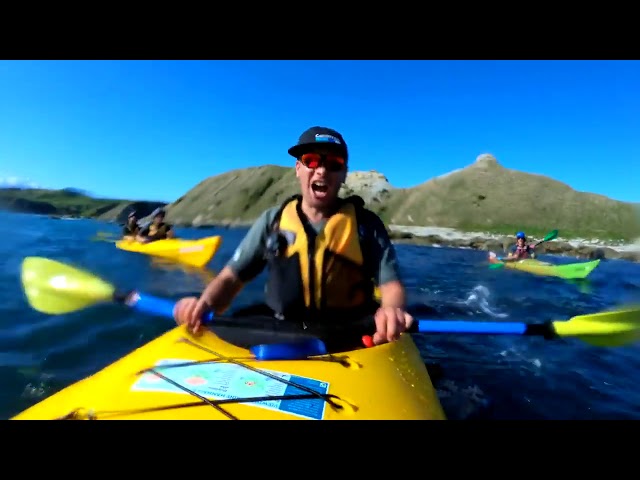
{"x": 154, "y": 129}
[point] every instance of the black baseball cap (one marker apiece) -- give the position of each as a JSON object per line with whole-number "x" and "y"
{"x": 315, "y": 136}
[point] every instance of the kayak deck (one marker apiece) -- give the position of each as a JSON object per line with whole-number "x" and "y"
{"x": 579, "y": 270}
{"x": 181, "y": 376}
{"x": 196, "y": 253}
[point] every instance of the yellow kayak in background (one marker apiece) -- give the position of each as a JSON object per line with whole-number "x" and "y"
{"x": 196, "y": 253}
{"x": 184, "y": 377}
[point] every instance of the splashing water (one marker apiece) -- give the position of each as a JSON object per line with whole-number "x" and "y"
{"x": 479, "y": 299}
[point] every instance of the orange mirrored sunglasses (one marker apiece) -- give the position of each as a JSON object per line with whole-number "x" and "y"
{"x": 333, "y": 163}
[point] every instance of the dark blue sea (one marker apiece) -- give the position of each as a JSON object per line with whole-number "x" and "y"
{"x": 491, "y": 377}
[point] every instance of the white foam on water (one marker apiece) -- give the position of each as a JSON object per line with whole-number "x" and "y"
{"x": 479, "y": 298}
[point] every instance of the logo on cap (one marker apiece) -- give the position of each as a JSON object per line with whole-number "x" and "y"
{"x": 323, "y": 137}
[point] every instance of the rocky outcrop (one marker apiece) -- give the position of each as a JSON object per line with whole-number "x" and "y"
{"x": 372, "y": 186}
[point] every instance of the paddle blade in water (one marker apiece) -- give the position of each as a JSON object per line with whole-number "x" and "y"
{"x": 104, "y": 237}
{"x": 54, "y": 288}
{"x": 605, "y": 329}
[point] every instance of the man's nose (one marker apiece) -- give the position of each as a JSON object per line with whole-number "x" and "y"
{"x": 321, "y": 169}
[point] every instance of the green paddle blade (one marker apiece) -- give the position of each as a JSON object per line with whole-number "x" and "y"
{"x": 55, "y": 288}
{"x": 604, "y": 329}
{"x": 493, "y": 266}
{"x": 550, "y": 236}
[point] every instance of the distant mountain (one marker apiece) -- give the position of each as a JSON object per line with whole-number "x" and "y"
{"x": 75, "y": 192}
{"x": 14, "y": 186}
{"x": 485, "y": 196}
{"x": 70, "y": 201}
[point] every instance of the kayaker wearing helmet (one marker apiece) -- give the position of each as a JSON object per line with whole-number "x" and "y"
{"x": 157, "y": 229}
{"x": 131, "y": 229}
{"x": 324, "y": 254}
{"x": 521, "y": 249}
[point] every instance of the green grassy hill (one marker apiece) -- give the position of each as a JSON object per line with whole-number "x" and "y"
{"x": 238, "y": 196}
{"x": 70, "y": 202}
{"x": 484, "y": 196}
{"x": 488, "y": 197}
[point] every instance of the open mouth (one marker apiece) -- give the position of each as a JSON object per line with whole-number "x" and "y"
{"x": 319, "y": 188}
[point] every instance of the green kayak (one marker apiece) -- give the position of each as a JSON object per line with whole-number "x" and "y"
{"x": 569, "y": 271}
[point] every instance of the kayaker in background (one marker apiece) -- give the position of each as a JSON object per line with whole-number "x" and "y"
{"x": 157, "y": 229}
{"x": 521, "y": 249}
{"x": 354, "y": 253}
{"x": 131, "y": 229}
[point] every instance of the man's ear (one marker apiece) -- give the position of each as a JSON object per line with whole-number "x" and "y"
{"x": 297, "y": 169}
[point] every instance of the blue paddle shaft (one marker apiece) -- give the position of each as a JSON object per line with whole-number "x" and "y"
{"x": 279, "y": 351}
{"x": 159, "y": 306}
{"x": 164, "y": 308}
{"x": 464, "y": 326}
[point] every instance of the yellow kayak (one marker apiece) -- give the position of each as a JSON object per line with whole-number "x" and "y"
{"x": 180, "y": 376}
{"x": 196, "y": 253}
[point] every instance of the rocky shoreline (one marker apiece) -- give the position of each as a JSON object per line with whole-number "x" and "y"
{"x": 448, "y": 237}
{"x": 445, "y": 237}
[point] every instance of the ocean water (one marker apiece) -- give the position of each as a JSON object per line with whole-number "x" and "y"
{"x": 477, "y": 376}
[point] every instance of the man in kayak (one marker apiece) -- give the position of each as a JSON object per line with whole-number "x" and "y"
{"x": 324, "y": 254}
{"x": 131, "y": 229}
{"x": 157, "y": 229}
{"x": 521, "y": 249}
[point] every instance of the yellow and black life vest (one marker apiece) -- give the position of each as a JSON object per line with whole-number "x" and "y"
{"x": 319, "y": 275}
{"x": 128, "y": 229}
{"x": 158, "y": 230}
